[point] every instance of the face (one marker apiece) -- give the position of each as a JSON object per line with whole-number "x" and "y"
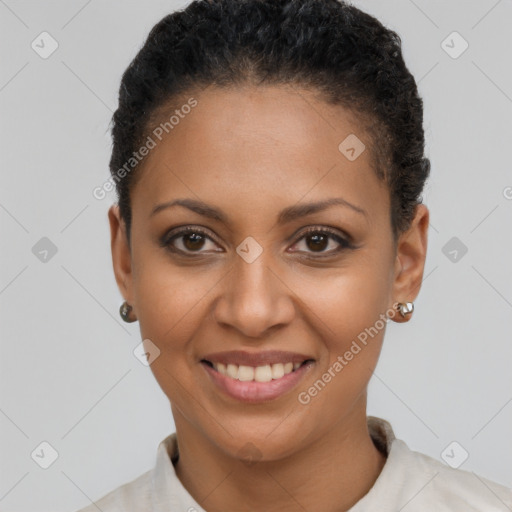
{"x": 261, "y": 280}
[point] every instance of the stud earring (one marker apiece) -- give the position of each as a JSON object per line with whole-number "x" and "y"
{"x": 125, "y": 311}
{"x": 405, "y": 308}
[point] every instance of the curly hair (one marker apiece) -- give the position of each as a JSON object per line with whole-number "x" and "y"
{"x": 328, "y": 46}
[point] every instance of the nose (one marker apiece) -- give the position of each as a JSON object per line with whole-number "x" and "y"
{"x": 255, "y": 299}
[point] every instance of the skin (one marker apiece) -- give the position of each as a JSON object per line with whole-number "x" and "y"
{"x": 251, "y": 152}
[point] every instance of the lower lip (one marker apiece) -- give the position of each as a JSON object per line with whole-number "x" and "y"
{"x": 255, "y": 392}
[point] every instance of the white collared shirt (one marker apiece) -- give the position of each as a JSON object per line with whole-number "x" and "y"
{"x": 409, "y": 482}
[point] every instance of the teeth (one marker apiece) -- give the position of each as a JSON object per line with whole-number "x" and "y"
{"x": 264, "y": 373}
{"x": 245, "y": 373}
{"x": 277, "y": 371}
{"x": 232, "y": 371}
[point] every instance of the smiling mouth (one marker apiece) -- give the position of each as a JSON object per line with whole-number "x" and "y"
{"x": 264, "y": 373}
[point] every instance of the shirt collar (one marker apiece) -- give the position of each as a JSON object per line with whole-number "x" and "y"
{"x": 168, "y": 493}
{"x": 381, "y": 433}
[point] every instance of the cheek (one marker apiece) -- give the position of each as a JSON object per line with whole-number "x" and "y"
{"x": 172, "y": 305}
{"x": 169, "y": 297}
{"x": 342, "y": 302}
{"x": 169, "y": 313}
{"x": 352, "y": 325}
{"x": 170, "y": 309}
{"x": 348, "y": 311}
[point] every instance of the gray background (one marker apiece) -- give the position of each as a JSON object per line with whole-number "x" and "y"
{"x": 68, "y": 374}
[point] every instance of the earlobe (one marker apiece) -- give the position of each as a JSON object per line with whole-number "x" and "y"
{"x": 410, "y": 261}
{"x": 121, "y": 255}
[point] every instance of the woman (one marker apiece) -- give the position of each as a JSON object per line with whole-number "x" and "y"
{"x": 269, "y": 161}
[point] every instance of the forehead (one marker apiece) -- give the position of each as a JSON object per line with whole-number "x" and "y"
{"x": 256, "y": 146}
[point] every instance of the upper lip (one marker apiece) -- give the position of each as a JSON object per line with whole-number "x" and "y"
{"x": 240, "y": 357}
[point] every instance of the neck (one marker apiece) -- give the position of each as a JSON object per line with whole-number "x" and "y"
{"x": 329, "y": 474}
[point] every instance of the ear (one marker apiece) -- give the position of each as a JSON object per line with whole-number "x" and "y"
{"x": 121, "y": 254}
{"x": 411, "y": 253}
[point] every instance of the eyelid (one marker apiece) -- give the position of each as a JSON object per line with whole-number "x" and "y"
{"x": 180, "y": 231}
{"x": 325, "y": 229}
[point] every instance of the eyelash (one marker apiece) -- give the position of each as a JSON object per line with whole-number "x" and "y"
{"x": 315, "y": 230}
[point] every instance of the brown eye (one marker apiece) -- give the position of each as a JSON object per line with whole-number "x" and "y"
{"x": 193, "y": 241}
{"x": 317, "y": 242}
{"x": 189, "y": 240}
{"x": 322, "y": 241}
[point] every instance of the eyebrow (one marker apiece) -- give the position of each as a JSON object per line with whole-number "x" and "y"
{"x": 286, "y": 215}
